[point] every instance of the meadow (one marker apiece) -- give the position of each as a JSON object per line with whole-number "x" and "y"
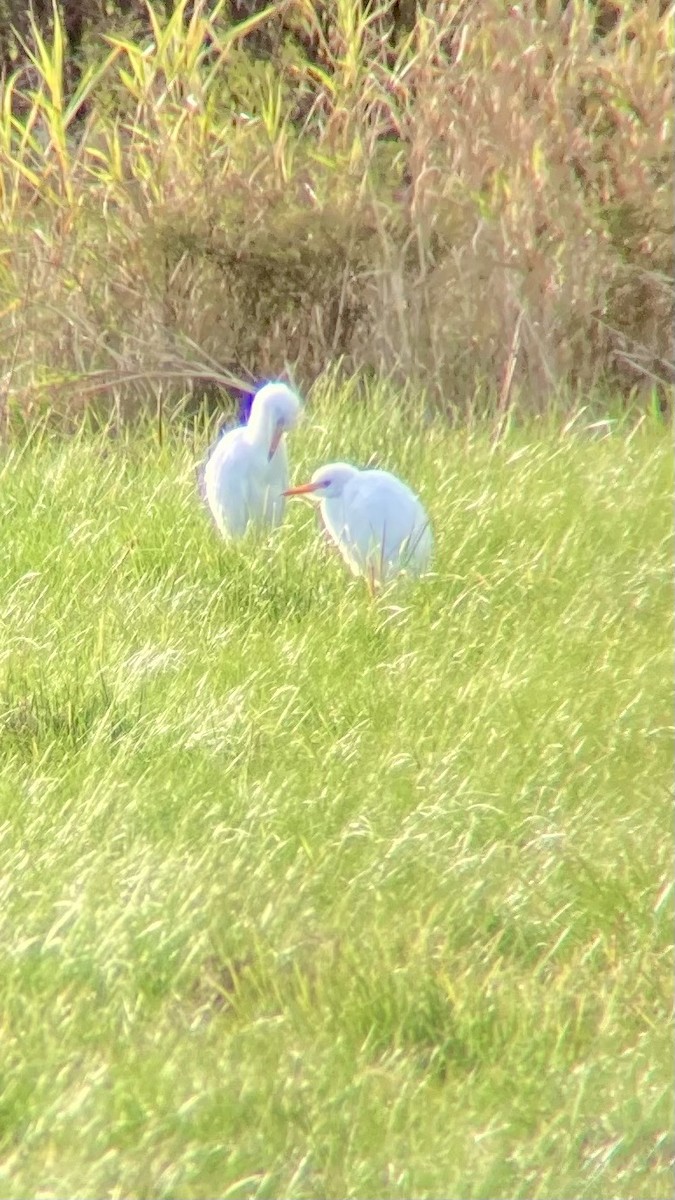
{"x": 305, "y": 894}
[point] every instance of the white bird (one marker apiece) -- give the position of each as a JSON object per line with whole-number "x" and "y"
{"x": 377, "y": 523}
{"x": 246, "y": 473}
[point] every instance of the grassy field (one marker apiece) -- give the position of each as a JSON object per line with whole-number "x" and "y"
{"x": 305, "y": 895}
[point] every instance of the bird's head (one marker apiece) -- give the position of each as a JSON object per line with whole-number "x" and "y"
{"x": 327, "y": 483}
{"x": 275, "y": 409}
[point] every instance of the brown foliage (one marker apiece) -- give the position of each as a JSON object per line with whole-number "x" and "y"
{"x": 478, "y": 200}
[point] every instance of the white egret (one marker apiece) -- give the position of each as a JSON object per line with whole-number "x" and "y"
{"x": 377, "y": 523}
{"x": 246, "y": 472}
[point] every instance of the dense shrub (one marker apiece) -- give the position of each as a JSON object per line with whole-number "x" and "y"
{"x": 474, "y": 197}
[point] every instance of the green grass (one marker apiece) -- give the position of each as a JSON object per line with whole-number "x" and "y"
{"x": 303, "y": 895}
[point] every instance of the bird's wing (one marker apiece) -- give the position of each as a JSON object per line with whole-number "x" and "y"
{"x": 268, "y": 484}
{"x": 384, "y": 514}
{"x": 227, "y": 483}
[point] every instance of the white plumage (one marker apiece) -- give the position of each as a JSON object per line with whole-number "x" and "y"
{"x": 377, "y": 523}
{"x": 246, "y": 473}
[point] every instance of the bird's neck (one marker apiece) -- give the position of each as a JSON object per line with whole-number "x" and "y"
{"x": 260, "y": 428}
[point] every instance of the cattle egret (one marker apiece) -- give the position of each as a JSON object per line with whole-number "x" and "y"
{"x": 376, "y": 522}
{"x": 224, "y": 426}
{"x": 246, "y": 472}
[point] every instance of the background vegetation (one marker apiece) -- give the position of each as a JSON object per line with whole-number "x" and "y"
{"x": 474, "y": 197}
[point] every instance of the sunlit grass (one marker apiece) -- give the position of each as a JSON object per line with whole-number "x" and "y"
{"x": 304, "y": 895}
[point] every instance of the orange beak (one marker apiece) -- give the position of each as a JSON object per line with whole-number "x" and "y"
{"x": 302, "y": 490}
{"x": 276, "y": 438}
